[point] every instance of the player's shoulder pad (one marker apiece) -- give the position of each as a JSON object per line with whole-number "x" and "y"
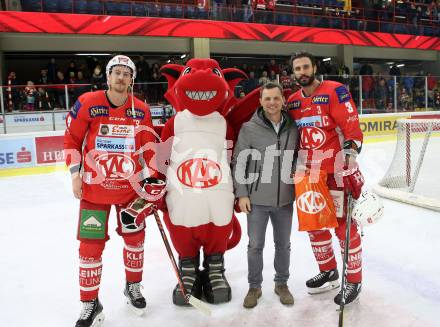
{"x": 342, "y": 93}
{"x": 81, "y": 102}
{"x": 294, "y": 101}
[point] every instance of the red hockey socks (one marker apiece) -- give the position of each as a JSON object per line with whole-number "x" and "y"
{"x": 322, "y": 248}
{"x": 134, "y": 256}
{"x": 90, "y": 269}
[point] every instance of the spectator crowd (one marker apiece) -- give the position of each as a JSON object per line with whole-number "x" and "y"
{"x": 396, "y": 16}
{"x": 378, "y": 90}
{"x": 58, "y": 87}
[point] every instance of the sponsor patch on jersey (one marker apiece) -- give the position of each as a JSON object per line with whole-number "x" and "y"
{"x": 116, "y": 130}
{"x": 75, "y": 109}
{"x": 309, "y": 121}
{"x": 294, "y": 105}
{"x": 115, "y": 144}
{"x": 343, "y": 94}
{"x": 321, "y": 99}
{"x": 140, "y": 114}
{"x": 98, "y": 111}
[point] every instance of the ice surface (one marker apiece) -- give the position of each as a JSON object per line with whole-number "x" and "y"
{"x": 39, "y": 280}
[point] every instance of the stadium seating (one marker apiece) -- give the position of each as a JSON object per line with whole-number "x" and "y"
{"x": 139, "y": 9}
{"x": 80, "y": 7}
{"x": 166, "y": 11}
{"x": 94, "y": 7}
{"x": 178, "y": 12}
{"x": 31, "y": 5}
{"x": 125, "y": 9}
{"x": 283, "y": 19}
{"x": 50, "y": 6}
{"x": 190, "y": 12}
{"x": 65, "y": 6}
{"x": 307, "y": 13}
{"x": 153, "y": 10}
{"x": 112, "y": 8}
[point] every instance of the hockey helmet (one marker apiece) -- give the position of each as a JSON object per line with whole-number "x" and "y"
{"x": 121, "y": 60}
{"x": 368, "y": 209}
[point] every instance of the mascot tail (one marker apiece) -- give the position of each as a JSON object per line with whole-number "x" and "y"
{"x": 235, "y": 237}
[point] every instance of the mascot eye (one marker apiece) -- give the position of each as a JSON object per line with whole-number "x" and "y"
{"x": 217, "y": 72}
{"x": 186, "y": 70}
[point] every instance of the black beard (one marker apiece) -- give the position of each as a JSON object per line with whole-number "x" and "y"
{"x": 309, "y": 81}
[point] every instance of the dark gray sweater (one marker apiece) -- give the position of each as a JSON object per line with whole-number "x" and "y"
{"x": 263, "y": 161}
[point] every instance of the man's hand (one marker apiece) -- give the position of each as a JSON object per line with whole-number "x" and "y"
{"x": 245, "y": 204}
{"x": 77, "y": 185}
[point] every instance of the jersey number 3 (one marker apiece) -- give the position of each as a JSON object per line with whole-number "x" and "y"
{"x": 349, "y": 107}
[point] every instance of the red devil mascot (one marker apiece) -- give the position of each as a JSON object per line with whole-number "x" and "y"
{"x": 200, "y": 200}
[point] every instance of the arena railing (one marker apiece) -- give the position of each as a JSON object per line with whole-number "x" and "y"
{"x": 391, "y": 94}
{"x": 313, "y": 13}
{"x": 44, "y": 107}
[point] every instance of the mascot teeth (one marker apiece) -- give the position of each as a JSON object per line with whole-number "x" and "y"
{"x": 201, "y": 95}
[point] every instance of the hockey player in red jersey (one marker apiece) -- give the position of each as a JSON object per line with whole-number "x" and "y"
{"x": 105, "y": 131}
{"x": 330, "y": 139}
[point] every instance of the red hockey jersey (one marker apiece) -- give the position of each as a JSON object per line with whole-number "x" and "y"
{"x": 105, "y": 141}
{"x": 325, "y": 120}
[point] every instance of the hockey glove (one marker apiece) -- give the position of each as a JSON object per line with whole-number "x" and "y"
{"x": 151, "y": 198}
{"x": 154, "y": 191}
{"x": 132, "y": 218}
{"x": 353, "y": 180}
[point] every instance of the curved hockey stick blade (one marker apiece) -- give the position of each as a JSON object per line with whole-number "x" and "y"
{"x": 199, "y": 305}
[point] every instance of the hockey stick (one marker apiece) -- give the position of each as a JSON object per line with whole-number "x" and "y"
{"x": 345, "y": 263}
{"x": 195, "y": 302}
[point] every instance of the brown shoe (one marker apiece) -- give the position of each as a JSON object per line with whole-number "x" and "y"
{"x": 285, "y": 296}
{"x": 252, "y": 297}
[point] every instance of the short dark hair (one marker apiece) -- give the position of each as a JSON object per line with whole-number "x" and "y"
{"x": 269, "y": 86}
{"x": 302, "y": 54}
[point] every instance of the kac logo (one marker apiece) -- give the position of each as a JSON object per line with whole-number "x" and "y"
{"x": 312, "y": 138}
{"x": 311, "y": 202}
{"x": 115, "y": 166}
{"x": 199, "y": 173}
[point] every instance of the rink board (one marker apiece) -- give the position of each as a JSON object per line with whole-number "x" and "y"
{"x": 42, "y": 152}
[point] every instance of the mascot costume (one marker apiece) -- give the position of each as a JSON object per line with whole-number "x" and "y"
{"x": 199, "y": 209}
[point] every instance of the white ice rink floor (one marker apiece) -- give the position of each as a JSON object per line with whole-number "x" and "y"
{"x": 39, "y": 267}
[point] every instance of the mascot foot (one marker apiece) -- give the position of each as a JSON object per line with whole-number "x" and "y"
{"x": 215, "y": 285}
{"x": 189, "y": 271}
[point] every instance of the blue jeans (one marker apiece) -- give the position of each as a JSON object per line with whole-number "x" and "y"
{"x": 257, "y": 219}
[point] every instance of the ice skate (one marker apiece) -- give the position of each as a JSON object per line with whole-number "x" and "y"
{"x": 135, "y": 299}
{"x": 91, "y": 314}
{"x": 352, "y": 293}
{"x": 323, "y": 282}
